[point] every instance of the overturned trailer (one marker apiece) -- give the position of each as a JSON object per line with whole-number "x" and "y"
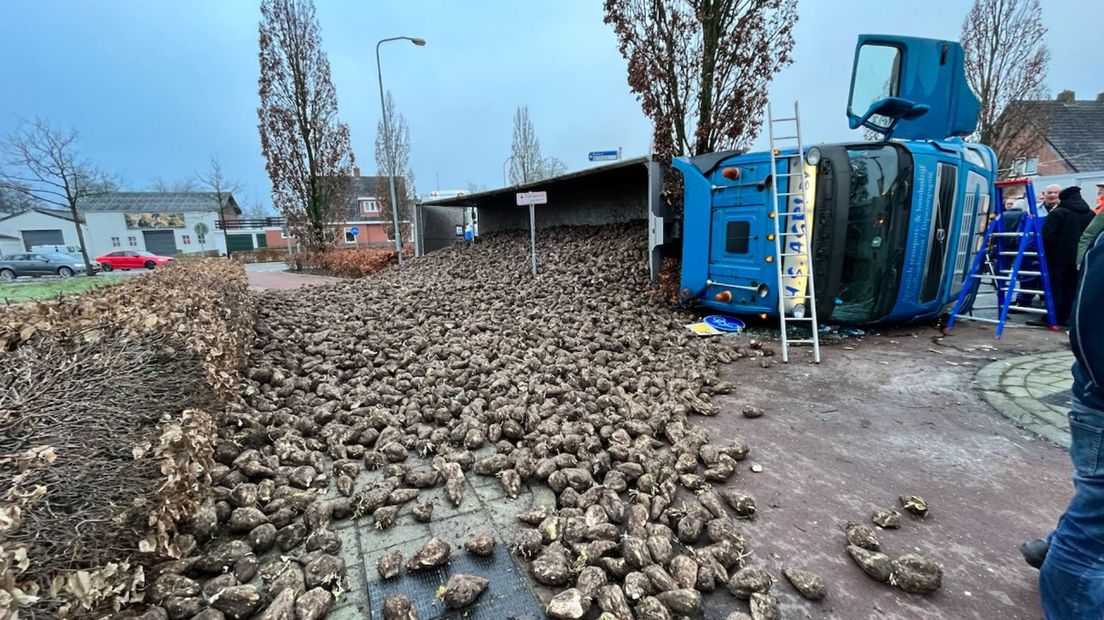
{"x": 625, "y": 191}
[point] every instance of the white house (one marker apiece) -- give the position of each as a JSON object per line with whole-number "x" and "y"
{"x": 164, "y": 223}
{"x": 38, "y": 226}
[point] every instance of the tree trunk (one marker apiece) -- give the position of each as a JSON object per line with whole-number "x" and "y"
{"x": 80, "y": 236}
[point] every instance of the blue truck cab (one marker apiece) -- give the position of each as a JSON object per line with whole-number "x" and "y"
{"x": 890, "y": 226}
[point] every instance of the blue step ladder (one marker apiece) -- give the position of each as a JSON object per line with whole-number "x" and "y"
{"x": 1001, "y": 262}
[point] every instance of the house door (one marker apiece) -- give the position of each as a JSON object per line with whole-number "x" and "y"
{"x": 160, "y": 242}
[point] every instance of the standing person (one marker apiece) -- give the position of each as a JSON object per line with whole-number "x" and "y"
{"x": 1071, "y": 580}
{"x": 1096, "y": 226}
{"x": 1061, "y": 234}
{"x": 1052, "y": 195}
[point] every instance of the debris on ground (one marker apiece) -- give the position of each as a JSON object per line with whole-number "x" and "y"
{"x": 886, "y": 518}
{"x": 862, "y": 535}
{"x": 462, "y": 590}
{"x": 915, "y": 505}
{"x": 876, "y": 564}
{"x": 807, "y": 584}
{"x": 916, "y": 574}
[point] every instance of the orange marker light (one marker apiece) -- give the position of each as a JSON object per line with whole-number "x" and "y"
{"x": 770, "y": 259}
{"x": 730, "y": 173}
{"x": 763, "y": 315}
{"x": 724, "y": 297}
{"x": 770, "y": 237}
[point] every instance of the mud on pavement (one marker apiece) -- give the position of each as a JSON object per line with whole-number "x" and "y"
{"x": 890, "y": 415}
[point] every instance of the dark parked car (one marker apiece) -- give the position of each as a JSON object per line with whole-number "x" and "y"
{"x": 38, "y": 264}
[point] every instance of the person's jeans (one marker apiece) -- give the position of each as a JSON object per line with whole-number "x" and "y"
{"x": 1071, "y": 581}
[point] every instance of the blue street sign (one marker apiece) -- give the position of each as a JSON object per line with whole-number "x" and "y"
{"x": 725, "y": 323}
{"x": 354, "y": 230}
{"x": 602, "y": 155}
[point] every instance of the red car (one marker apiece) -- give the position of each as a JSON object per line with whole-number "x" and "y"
{"x": 130, "y": 259}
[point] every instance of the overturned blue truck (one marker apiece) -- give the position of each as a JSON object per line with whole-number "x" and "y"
{"x": 886, "y": 229}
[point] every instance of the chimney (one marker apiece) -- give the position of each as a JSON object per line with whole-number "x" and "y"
{"x": 356, "y": 171}
{"x": 1067, "y": 96}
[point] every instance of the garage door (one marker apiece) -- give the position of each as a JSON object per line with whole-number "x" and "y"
{"x": 160, "y": 242}
{"x": 239, "y": 243}
{"x": 32, "y": 238}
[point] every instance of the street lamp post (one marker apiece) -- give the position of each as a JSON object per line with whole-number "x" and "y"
{"x": 387, "y": 143}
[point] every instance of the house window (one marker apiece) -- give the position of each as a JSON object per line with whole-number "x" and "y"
{"x": 349, "y": 236}
{"x": 368, "y": 206}
{"x": 133, "y": 241}
{"x": 115, "y": 242}
{"x": 186, "y": 239}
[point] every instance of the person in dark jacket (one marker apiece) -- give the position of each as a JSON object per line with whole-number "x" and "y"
{"x": 1061, "y": 234}
{"x": 1071, "y": 580}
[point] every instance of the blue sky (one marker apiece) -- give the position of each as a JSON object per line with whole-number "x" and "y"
{"x": 154, "y": 87}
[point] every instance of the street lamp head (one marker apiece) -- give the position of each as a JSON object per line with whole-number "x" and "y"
{"x": 417, "y": 41}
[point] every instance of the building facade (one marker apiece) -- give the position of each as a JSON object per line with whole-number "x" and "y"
{"x": 164, "y": 223}
{"x": 19, "y": 232}
{"x": 363, "y": 225}
{"x": 1068, "y": 143}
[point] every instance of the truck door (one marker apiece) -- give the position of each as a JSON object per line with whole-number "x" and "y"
{"x": 911, "y": 88}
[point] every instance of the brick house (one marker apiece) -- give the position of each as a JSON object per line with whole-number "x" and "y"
{"x": 1073, "y": 136}
{"x": 363, "y": 214}
{"x": 1070, "y": 143}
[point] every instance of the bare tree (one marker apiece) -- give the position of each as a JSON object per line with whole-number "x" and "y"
{"x": 306, "y": 148}
{"x": 14, "y": 200}
{"x": 399, "y": 142}
{"x": 160, "y": 184}
{"x": 44, "y": 164}
{"x": 214, "y": 180}
{"x": 1006, "y": 65}
{"x": 701, "y": 67}
{"x": 527, "y": 164}
{"x": 257, "y": 211}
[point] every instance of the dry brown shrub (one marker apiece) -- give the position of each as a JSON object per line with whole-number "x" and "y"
{"x": 104, "y": 443}
{"x": 351, "y": 263}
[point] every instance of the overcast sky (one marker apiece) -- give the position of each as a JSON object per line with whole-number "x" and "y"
{"x": 154, "y": 86}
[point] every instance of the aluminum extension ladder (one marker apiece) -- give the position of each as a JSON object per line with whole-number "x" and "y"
{"x": 792, "y": 239}
{"x": 1002, "y": 267}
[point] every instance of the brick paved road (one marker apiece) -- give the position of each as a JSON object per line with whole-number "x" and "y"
{"x": 1033, "y": 391}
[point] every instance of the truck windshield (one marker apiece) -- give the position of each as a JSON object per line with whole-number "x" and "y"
{"x": 869, "y": 279}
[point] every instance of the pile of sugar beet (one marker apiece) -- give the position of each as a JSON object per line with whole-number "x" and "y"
{"x": 574, "y": 380}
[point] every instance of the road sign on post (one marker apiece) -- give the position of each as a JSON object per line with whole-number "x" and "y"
{"x": 532, "y": 199}
{"x": 604, "y": 155}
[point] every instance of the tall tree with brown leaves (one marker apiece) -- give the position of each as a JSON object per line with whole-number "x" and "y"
{"x": 1006, "y": 65}
{"x": 701, "y": 67}
{"x": 306, "y": 148}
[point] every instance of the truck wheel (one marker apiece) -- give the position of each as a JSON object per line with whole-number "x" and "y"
{"x": 7, "y": 275}
{"x": 65, "y": 272}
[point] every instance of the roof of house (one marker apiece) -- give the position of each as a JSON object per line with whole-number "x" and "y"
{"x": 1076, "y": 132}
{"x": 58, "y": 213}
{"x": 368, "y": 187}
{"x": 156, "y": 202}
{"x": 6, "y": 237}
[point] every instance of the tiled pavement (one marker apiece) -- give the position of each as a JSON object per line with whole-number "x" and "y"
{"x": 1033, "y": 391}
{"x": 484, "y": 508}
